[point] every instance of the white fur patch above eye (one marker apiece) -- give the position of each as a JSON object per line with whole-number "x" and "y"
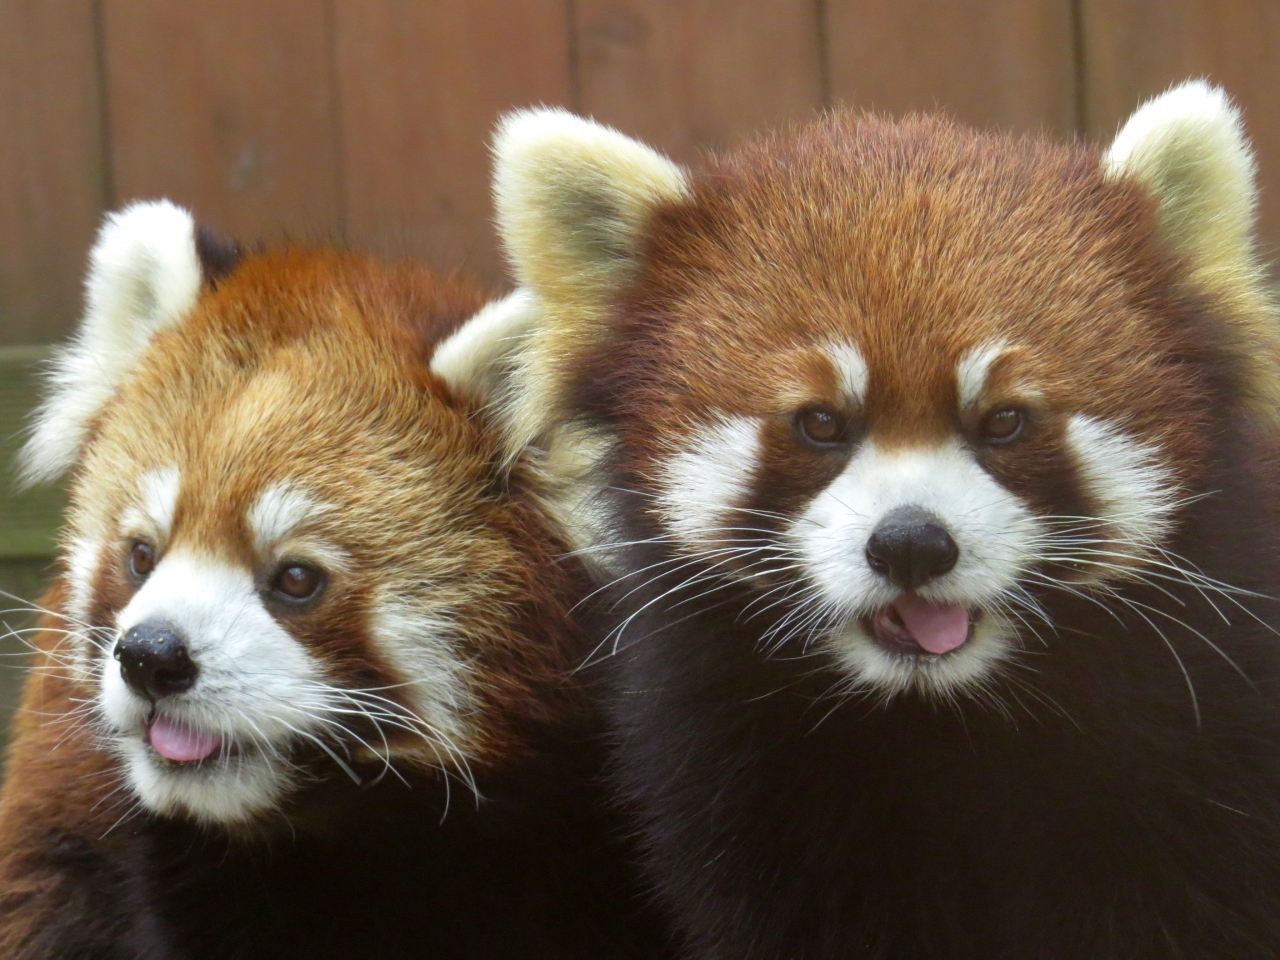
{"x": 972, "y": 372}
{"x": 851, "y": 368}
{"x": 1135, "y": 491}
{"x": 711, "y": 475}
{"x": 278, "y": 513}
{"x": 152, "y": 515}
{"x": 144, "y": 275}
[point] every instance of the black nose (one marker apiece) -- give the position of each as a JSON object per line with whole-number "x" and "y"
{"x": 911, "y": 548}
{"x": 154, "y": 660}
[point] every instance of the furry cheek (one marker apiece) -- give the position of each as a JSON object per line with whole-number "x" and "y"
{"x": 701, "y": 484}
{"x": 83, "y": 557}
{"x": 1133, "y": 494}
{"x": 419, "y": 641}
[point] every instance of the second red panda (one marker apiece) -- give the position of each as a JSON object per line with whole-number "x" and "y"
{"x": 934, "y": 471}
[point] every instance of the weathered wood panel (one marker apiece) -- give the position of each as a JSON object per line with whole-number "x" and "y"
{"x": 226, "y": 106}
{"x": 53, "y": 183}
{"x": 687, "y": 74}
{"x": 1134, "y": 49}
{"x": 1005, "y": 62}
{"x": 421, "y": 85}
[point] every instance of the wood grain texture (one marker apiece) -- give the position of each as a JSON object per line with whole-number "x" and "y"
{"x": 1009, "y": 63}
{"x": 1134, "y": 49}
{"x": 226, "y": 106}
{"x": 53, "y": 181}
{"x": 688, "y": 74}
{"x": 421, "y": 86}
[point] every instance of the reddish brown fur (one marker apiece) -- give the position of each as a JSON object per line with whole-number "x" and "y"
{"x": 927, "y": 239}
{"x": 311, "y": 367}
{"x": 1052, "y": 806}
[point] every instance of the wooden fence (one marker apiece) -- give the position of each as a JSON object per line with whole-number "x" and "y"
{"x": 368, "y": 120}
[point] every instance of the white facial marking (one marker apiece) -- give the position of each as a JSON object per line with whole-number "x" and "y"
{"x": 420, "y": 644}
{"x": 994, "y": 530}
{"x": 851, "y": 368}
{"x": 82, "y": 567}
{"x": 257, "y": 687}
{"x": 152, "y": 514}
{"x": 1134, "y": 489}
{"x": 972, "y": 372}
{"x": 83, "y": 555}
{"x": 708, "y": 478}
{"x": 278, "y": 513}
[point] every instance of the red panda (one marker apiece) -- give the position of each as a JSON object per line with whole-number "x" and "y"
{"x": 930, "y": 469}
{"x": 301, "y": 690}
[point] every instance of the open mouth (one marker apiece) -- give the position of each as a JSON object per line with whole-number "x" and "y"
{"x": 178, "y": 742}
{"x": 913, "y": 626}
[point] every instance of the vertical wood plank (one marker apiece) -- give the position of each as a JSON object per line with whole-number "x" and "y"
{"x": 1134, "y": 49}
{"x": 1004, "y": 62}
{"x": 421, "y": 85}
{"x": 226, "y": 106}
{"x": 689, "y": 74}
{"x": 52, "y": 175}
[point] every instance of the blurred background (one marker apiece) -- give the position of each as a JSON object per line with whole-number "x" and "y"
{"x": 367, "y": 121}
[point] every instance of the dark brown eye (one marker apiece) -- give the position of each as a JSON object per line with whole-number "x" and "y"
{"x": 142, "y": 559}
{"x": 1003, "y": 425}
{"x": 298, "y": 581}
{"x": 822, "y": 425}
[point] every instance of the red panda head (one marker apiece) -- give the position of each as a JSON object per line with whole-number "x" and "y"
{"x": 893, "y": 377}
{"x": 292, "y": 547}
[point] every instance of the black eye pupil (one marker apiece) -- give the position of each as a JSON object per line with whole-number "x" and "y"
{"x": 298, "y": 582}
{"x": 820, "y": 425}
{"x": 1003, "y": 425}
{"x": 142, "y": 559}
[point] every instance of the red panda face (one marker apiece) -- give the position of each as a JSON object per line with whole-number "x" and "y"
{"x": 901, "y": 379}
{"x": 286, "y": 553}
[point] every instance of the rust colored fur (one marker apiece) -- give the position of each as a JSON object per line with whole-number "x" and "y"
{"x": 1051, "y": 253}
{"x": 1071, "y": 805}
{"x": 311, "y": 367}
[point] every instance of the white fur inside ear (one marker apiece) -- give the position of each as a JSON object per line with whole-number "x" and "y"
{"x": 573, "y": 198}
{"x": 475, "y": 359}
{"x": 574, "y": 191}
{"x": 144, "y": 275}
{"x": 1188, "y": 146}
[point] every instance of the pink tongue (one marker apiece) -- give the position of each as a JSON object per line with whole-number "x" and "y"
{"x": 175, "y": 742}
{"x": 937, "y": 627}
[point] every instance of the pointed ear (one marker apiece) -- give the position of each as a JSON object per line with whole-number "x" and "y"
{"x": 1188, "y": 147}
{"x": 476, "y": 359}
{"x": 573, "y": 198}
{"x": 144, "y": 276}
